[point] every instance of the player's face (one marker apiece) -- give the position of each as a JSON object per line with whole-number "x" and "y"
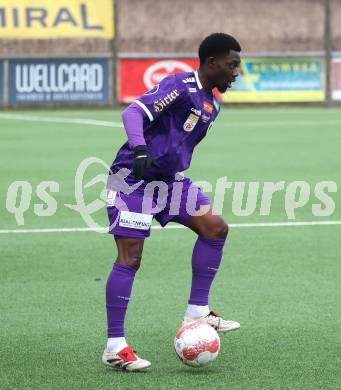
{"x": 224, "y": 70}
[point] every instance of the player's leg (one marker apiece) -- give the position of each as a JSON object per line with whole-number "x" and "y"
{"x": 124, "y": 215}
{"x": 118, "y": 292}
{"x": 212, "y": 232}
{"x": 119, "y": 287}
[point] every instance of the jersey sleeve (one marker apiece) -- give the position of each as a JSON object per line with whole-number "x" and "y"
{"x": 132, "y": 118}
{"x": 162, "y": 97}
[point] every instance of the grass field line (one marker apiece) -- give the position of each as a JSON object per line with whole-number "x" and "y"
{"x": 94, "y": 122}
{"x": 52, "y": 119}
{"x": 156, "y": 227}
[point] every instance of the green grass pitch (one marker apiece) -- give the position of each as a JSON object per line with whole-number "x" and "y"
{"x": 282, "y": 283}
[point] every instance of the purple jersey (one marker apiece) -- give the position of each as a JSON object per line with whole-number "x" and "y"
{"x": 177, "y": 115}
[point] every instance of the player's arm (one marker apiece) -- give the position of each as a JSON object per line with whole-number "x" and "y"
{"x": 133, "y": 118}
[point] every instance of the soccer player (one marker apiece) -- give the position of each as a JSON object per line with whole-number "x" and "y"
{"x": 163, "y": 127}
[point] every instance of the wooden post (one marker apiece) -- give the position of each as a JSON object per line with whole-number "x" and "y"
{"x": 327, "y": 50}
{"x": 115, "y": 49}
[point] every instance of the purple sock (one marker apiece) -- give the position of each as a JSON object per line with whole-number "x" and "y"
{"x": 119, "y": 286}
{"x": 206, "y": 259}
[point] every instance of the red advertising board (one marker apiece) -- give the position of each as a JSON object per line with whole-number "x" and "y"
{"x": 336, "y": 79}
{"x": 136, "y": 76}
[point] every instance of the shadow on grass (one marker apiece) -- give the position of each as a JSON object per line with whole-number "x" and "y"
{"x": 119, "y": 371}
{"x": 203, "y": 371}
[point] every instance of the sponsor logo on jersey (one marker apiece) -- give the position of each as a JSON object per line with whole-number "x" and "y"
{"x": 189, "y": 80}
{"x": 205, "y": 118}
{"x": 196, "y": 112}
{"x": 138, "y": 221}
{"x": 191, "y": 122}
{"x": 159, "y": 105}
{"x": 208, "y": 107}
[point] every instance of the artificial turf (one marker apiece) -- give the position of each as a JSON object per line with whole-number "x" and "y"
{"x": 281, "y": 283}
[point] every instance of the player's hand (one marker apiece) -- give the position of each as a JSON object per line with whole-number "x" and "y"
{"x": 142, "y": 161}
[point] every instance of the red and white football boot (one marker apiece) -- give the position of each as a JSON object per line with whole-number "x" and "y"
{"x": 126, "y": 359}
{"x": 216, "y": 321}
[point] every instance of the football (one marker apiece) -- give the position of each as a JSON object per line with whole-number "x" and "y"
{"x": 197, "y": 344}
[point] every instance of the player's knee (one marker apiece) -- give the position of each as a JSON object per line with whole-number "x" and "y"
{"x": 135, "y": 261}
{"x": 130, "y": 252}
{"x": 222, "y": 230}
{"x": 219, "y": 231}
{"x": 131, "y": 261}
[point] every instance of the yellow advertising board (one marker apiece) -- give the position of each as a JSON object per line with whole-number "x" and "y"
{"x": 266, "y": 80}
{"x": 44, "y": 19}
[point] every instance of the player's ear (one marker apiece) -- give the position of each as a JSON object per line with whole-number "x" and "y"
{"x": 210, "y": 61}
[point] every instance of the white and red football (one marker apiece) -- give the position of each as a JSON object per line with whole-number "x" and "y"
{"x": 197, "y": 344}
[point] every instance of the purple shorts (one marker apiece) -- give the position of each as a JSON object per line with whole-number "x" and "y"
{"x": 131, "y": 214}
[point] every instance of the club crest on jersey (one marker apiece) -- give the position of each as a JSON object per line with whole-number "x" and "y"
{"x": 208, "y": 107}
{"x": 191, "y": 122}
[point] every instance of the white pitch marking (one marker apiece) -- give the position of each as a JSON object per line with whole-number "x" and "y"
{"x": 327, "y": 122}
{"x": 51, "y": 119}
{"x": 232, "y": 225}
{"x": 231, "y": 124}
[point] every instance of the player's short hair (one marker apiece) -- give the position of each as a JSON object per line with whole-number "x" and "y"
{"x": 217, "y": 44}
